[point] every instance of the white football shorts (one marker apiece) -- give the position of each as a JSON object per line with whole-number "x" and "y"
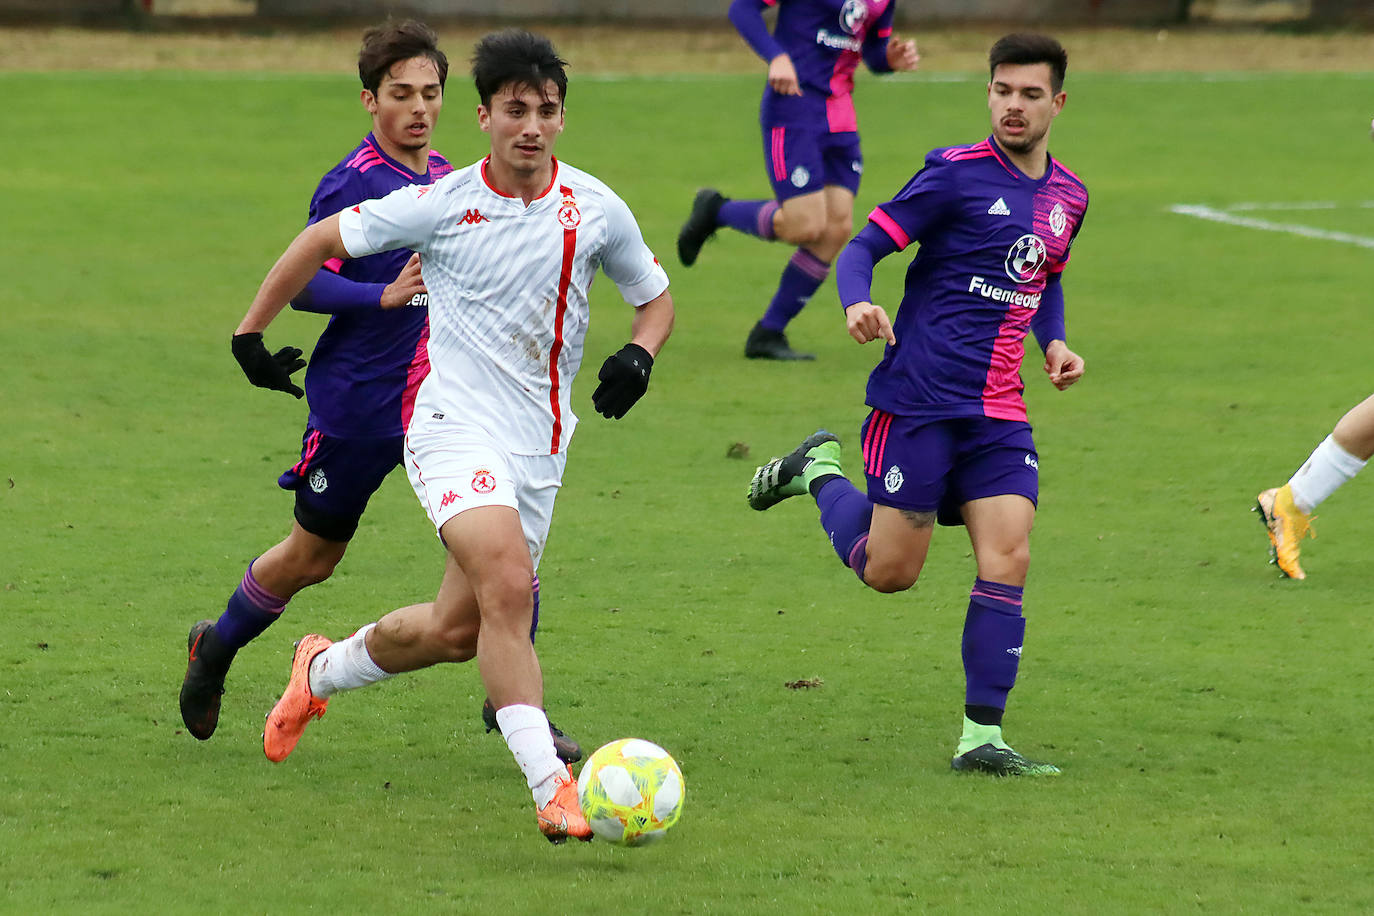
{"x": 455, "y": 466}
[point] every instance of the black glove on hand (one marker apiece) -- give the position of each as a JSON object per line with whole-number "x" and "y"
{"x": 265, "y": 369}
{"x": 624, "y": 379}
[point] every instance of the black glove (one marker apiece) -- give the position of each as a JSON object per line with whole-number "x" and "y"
{"x": 624, "y": 379}
{"x": 265, "y": 369}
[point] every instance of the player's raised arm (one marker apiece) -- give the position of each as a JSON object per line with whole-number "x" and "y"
{"x": 315, "y": 244}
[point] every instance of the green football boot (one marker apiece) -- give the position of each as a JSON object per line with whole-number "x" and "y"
{"x": 982, "y": 750}
{"x": 791, "y": 475}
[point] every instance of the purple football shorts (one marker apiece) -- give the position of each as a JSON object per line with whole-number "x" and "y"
{"x": 336, "y": 477}
{"x": 802, "y": 160}
{"x": 938, "y": 465}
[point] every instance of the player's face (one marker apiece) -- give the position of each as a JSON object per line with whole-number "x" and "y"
{"x": 406, "y": 104}
{"x": 1023, "y": 105}
{"x": 524, "y": 124}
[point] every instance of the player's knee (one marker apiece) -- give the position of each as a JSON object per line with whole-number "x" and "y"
{"x": 834, "y": 237}
{"x": 1008, "y": 564}
{"x": 802, "y": 229}
{"x": 890, "y": 575}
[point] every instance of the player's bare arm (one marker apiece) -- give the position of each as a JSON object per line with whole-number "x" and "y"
{"x": 305, "y": 255}
{"x": 782, "y": 76}
{"x": 653, "y": 322}
{"x": 902, "y": 55}
{"x": 407, "y": 285}
{"x": 1062, "y": 365}
{"x": 867, "y": 321}
{"x": 624, "y": 376}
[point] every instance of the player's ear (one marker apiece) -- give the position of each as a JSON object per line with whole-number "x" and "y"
{"x": 484, "y": 118}
{"x": 369, "y": 101}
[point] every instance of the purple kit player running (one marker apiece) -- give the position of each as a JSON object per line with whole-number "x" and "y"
{"x": 947, "y": 438}
{"x": 810, "y": 145}
{"x": 363, "y": 373}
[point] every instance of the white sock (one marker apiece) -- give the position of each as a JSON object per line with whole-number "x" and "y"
{"x": 344, "y": 666}
{"x": 526, "y": 730}
{"x": 1322, "y": 474}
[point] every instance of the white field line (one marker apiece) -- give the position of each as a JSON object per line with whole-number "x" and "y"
{"x": 1229, "y": 217}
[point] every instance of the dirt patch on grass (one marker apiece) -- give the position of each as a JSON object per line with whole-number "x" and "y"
{"x": 245, "y": 45}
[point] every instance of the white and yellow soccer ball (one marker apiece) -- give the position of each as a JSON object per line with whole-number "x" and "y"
{"x": 631, "y": 792}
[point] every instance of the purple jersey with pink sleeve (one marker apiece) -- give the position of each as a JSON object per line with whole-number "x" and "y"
{"x": 362, "y": 361}
{"x": 991, "y": 238}
{"x": 826, "y": 40}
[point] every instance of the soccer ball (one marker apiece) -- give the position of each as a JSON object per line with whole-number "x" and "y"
{"x": 631, "y": 792}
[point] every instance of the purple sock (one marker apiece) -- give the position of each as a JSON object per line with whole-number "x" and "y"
{"x": 251, "y": 609}
{"x": 802, "y": 276}
{"x": 993, "y": 633}
{"x": 845, "y": 515}
{"x": 534, "y": 624}
{"x": 752, "y": 217}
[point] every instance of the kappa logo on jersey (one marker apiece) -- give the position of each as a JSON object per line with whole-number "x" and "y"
{"x": 1032, "y": 463}
{"x": 449, "y": 499}
{"x": 1015, "y": 650}
{"x": 1059, "y": 220}
{"x": 473, "y": 217}
{"x": 999, "y": 208}
{"x": 800, "y": 176}
{"x": 893, "y": 479}
{"x": 852, "y": 16}
{"x": 1025, "y": 258}
{"x": 318, "y": 482}
{"x": 483, "y": 481}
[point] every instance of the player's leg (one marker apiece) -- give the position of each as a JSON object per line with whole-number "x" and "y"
{"x": 884, "y": 545}
{"x": 1286, "y": 511}
{"x": 998, "y": 470}
{"x": 489, "y": 543}
{"x": 818, "y": 226}
{"x": 333, "y": 482}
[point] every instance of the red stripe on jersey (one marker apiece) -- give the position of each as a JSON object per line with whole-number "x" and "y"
{"x": 560, "y": 310}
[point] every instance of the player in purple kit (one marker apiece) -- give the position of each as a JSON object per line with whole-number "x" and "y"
{"x": 363, "y": 372}
{"x": 810, "y": 144}
{"x": 947, "y": 439}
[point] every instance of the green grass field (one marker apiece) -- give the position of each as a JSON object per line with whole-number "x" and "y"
{"x": 1209, "y": 715}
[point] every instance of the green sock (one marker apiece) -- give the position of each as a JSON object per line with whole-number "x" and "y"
{"x": 825, "y": 459}
{"x": 976, "y": 735}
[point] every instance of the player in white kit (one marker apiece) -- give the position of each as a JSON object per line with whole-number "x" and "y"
{"x": 508, "y": 248}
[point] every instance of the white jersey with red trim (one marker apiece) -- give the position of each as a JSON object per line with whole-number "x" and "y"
{"x": 508, "y": 285}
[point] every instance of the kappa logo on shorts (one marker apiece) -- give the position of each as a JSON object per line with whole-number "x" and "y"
{"x": 483, "y": 481}
{"x": 449, "y": 499}
{"x": 800, "y": 176}
{"x": 318, "y": 482}
{"x": 893, "y": 479}
{"x": 1032, "y": 463}
{"x": 1015, "y": 650}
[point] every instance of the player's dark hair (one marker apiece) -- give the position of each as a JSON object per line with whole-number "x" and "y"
{"x": 387, "y": 45}
{"x": 519, "y": 59}
{"x": 1030, "y": 48}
